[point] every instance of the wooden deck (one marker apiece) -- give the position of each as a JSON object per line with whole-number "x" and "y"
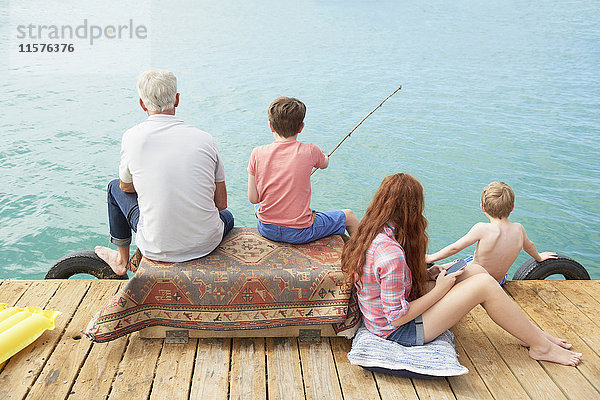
{"x": 62, "y": 364}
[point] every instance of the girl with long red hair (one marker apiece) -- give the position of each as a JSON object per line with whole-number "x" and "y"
{"x": 403, "y": 301}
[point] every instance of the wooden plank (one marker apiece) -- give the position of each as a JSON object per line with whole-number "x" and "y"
{"x": 469, "y": 386}
{"x": 318, "y": 369}
{"x": 585, "y": 301}
{"x": 247, "y": 380}
{"x": 566, "y": 313}
{"x": 592, "y": 287}
{"x": 96, "y": 376}
{"x": 357, "y": 383}
{"x": 560, "y": 308}
{"x": 283, "y": 369}
{"x": 136, "y": 371}
{"x": 436, "y": 388}
{"x": 493, "y": 370}
{"x": 211, "y": 373}
{"x": 528, "y": 371}
{"x": 555, "y": 314}
{"x": 392, "y": 387}
{"x": 174, "y": 371}
{"x": 39, "y": 294}
{"x": 65, "y": 361}
{"x": 19, "y": 374}
{"x": 11, "y": 291}
{"x": 101, "y": 364}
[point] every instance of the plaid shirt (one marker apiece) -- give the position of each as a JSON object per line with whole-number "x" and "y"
{"x": 385, "y": 284}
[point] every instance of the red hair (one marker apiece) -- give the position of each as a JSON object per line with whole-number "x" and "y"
{"x": 399, "y": 201}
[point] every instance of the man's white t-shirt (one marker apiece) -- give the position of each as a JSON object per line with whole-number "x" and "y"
{"x": 174, "y": 168}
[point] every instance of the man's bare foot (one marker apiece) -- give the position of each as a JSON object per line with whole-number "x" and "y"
{"x": 112, "y": 258}
{"x": 557, "y": 341}
{"x": 556, "y": 354}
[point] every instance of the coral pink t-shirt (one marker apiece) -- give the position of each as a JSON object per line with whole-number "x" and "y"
{"x": 282, "y": 172}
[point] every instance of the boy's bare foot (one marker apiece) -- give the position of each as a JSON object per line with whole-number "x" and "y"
{"x": 112, "y": 258}
{"x": 556, "y": 354}
{"x": 557, "y": 341}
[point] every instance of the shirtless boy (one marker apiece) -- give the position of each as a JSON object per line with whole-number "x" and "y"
{"x": 500, "y": 241}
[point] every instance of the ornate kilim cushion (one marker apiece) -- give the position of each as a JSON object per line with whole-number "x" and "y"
{"x": 248, "y": 282}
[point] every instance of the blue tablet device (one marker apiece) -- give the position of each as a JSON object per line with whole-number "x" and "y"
{"x": 457, "y": 266}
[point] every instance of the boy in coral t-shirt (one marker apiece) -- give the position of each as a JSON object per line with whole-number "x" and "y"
{"x": 279, "y": 182}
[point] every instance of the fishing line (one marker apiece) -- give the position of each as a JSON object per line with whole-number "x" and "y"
{"x": 357, "y": 125}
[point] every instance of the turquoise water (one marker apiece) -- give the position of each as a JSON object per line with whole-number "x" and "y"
{"x": 491, "y": 90}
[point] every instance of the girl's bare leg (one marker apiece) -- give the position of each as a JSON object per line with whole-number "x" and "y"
{"x": 473, "y": 269}
{"x": 558, "y": 341}
{"x": 470, "y": 270}
{"x": 483, "y": 289}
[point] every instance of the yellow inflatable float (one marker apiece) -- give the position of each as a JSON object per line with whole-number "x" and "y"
{"x": 20, "y": 327}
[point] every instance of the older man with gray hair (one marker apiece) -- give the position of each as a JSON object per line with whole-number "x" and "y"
{"x": 171, "y": 186}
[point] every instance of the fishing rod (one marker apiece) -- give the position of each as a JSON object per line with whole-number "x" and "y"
{"x": 357, "y": 125}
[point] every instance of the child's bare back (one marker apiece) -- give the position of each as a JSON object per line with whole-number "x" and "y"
{"x": 500, "y": 241}
{"x": 498, "y": 247}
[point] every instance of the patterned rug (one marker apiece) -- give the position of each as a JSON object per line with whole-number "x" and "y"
{"x": 248, "y": 282}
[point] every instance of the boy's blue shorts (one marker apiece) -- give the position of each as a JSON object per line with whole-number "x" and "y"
{"x": 326, "y": 223}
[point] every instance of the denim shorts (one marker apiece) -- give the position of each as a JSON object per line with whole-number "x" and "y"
{"x": 409, "y": 334}
{"x": 326, "y": 223}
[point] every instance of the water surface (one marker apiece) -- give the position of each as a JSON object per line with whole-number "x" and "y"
{"x": 492, "y": 90}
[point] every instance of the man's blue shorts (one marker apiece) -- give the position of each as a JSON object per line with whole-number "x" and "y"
{"x": 326, "y": 223}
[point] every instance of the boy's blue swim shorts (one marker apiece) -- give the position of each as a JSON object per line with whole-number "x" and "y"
{"x": 326, "y": 223}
